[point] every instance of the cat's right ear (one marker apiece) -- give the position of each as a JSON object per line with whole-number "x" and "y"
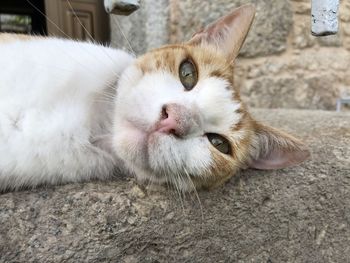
{"x": 275, "y": 149}
{"x": 227, "y": 33}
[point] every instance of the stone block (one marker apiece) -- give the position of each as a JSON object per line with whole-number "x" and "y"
{"x": 310, "y": 80}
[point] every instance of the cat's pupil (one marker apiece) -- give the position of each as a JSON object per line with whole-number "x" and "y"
{"x": 219, "y": 142}
{"x": 188, "y": 74}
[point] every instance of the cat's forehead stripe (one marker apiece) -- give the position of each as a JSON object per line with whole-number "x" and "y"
{"x": 209, "y": 63}
{"x": 166, "y": 58}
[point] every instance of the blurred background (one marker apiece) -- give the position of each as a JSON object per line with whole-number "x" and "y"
{"x": 281, "y": 64}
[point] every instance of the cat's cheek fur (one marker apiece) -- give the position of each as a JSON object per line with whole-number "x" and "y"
{"x": 215, "y": 101}
{"x": 222, "y": 168}
{"x": 130, "y": 144}
{"x": 171, "y": 155}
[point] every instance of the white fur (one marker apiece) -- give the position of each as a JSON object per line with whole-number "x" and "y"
{"x": 54, "y": 103}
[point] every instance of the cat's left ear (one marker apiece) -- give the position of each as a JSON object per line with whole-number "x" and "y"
{"x": 275, "y": 149}
{"x": 229, "y": 32}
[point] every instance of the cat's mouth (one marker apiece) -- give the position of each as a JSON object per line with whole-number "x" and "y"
{"x": 162, "y": 157}
{"x": 139, "y": 142}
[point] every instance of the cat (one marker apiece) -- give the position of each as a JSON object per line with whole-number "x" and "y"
{"x": 73, "y": 111}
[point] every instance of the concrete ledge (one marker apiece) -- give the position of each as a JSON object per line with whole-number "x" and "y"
{"x": 300, "y": 214}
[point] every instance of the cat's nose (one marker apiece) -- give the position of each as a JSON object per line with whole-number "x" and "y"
{"x": 175, "y": 119}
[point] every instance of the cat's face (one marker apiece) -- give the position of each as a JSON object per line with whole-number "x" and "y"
{"x": 180, "y": 119}
{"x": 170, "y": 124}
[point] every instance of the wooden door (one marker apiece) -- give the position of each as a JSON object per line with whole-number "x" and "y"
{"x": 77, "y": 19}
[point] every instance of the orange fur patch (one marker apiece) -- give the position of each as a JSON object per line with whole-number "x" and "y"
{"x": 208, "y": 61}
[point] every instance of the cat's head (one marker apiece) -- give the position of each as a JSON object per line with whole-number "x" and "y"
{"x": 180, "y": 119}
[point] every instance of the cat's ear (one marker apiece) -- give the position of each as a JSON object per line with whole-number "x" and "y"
{"x": 274, "y": 149}
{"x": 229, "y": 32}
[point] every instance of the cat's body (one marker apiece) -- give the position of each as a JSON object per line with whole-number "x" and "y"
{"x": 55, "y": 105}
{"x": 73, "y": 111}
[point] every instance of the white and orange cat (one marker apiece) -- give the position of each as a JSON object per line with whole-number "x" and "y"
{"x": 72, "y": 111}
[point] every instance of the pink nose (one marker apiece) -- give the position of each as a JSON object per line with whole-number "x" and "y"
{"x": 175, "y": 119}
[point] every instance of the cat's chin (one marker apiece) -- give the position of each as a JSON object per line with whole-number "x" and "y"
{"x": 157, "y": 157}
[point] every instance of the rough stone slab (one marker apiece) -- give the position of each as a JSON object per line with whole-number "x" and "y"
{"x": 299, "y": 214}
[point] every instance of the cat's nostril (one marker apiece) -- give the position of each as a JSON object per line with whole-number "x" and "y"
{"x": 168, "y": 122}
{"x": 164, "y": 114}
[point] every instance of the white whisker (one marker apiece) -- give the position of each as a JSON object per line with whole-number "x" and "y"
{"x": 85, "y": 29}
{"x": 115, "y": 21}
{"x": 197, "y": 196}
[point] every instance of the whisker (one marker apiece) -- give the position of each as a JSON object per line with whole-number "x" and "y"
{"x": 81, "y": 24}
{"x": 197, "y": 196}
{"x": 115, "y": 21}
{"x": 47, "y": 18}
{"x": 85, "y": 29}
{"x": 107, "y": 95}
{"x": 103, "y": 101}
{"x": 169, "y": 186}
{"x": 177, "y": 188}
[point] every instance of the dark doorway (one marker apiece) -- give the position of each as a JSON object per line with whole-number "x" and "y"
{"x": 23, "y": 16}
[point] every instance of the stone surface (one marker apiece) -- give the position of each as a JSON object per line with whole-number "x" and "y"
{"x": 312, "y": 80}
{"x": 299, "y": 214}
{"x": 143, "y": 30}
{"x": 301, "y": 32}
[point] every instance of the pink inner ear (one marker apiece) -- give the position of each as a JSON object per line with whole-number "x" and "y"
{"x": 278, "y": 159}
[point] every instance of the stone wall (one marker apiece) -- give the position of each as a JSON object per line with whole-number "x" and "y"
{"x": 281, "y": 64}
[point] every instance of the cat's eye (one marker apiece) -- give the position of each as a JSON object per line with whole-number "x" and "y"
{"x": 188, "y": 74}
{"x": 219, "y": 142}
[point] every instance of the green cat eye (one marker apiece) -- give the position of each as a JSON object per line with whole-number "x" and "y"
{"x": 188, "y": 74}
{"x": 219, "y": 142}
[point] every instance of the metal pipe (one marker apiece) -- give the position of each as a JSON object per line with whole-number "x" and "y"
{"x": 121, "y": 7}
{"x": 341, "y": 102}
{"x": 324, "y": 17}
